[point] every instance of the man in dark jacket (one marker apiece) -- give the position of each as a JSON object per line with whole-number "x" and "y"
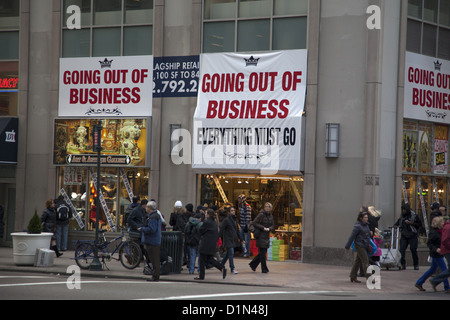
{"x": 209, "y": 233}
{"x": 138, "y": 216}
{"x": 151, "y": 238}
{"x": 409, "y": 224}
{"x": 63, "y": 215}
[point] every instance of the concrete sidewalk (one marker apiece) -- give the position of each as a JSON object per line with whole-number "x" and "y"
{"x": 287, "y": 274}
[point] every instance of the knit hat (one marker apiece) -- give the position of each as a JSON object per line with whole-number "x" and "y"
{"x": 435, "y": 205}
{"x": 178, "y": 204}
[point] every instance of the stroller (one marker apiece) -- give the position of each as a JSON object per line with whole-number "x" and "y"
{"x": 390, "y": 253}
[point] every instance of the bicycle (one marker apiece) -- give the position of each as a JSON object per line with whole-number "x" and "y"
{"x": 130, "y": 254}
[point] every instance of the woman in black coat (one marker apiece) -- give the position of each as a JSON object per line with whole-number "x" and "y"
{"x": 209, "y": 234}
{"x": 264, "y": 224}
{"x": 48, "y": 219}
{"x": 229, "y": 232}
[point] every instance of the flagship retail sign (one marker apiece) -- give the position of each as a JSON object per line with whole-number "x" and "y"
{"x": 427, "y": 88}
{"x": 249, "y": 110}
{"x": 106, "y": 86}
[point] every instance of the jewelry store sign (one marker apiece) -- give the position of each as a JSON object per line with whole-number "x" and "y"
{"x": 123, "y": 142}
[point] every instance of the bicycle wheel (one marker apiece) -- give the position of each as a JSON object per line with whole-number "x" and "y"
{"x": 84, "y": 255}
{"x": 130, "y": 254}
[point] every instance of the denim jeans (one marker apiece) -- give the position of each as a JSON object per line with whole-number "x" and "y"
{"x": 62, "y": 232}
{"x": 229, "y": 256}
{"x": 443, "y": 276}
{"x": 245, "y": 236}
{"x": 435, "y": 263}
{"x": 193, "y": 254}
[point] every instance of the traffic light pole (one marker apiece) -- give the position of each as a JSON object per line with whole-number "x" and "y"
{"x": 96, "y": 265}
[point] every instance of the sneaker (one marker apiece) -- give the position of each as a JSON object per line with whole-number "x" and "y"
{"x": 418, "y": 286}
{"x": 234, "y": 271}
{"x": 433, "y": 286}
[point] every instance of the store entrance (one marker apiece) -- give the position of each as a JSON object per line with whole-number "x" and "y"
{"x": 284, "y": 192}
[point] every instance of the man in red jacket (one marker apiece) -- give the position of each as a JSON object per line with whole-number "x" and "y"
{"x": 445, "y": 251}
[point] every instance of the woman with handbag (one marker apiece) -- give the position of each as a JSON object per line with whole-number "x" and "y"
{"x": 263, "y": 225}
{"x": 361, "y": 236}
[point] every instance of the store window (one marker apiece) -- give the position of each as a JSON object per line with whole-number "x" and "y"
{"x": 425, "y": 165}
{"x": 109, "y": 28}
{"x": 9, "y": 88}
{"x": 429, "y": 27}
{"x": 115, "y": 183}
{"x": 284, "y": 192}
{"x": 254, "y": 25}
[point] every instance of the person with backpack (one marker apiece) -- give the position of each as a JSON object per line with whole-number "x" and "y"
{"x": 63, "y": 215}
{"x": 192, "y": 239}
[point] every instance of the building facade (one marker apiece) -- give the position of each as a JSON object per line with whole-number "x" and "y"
{"x": 371, "y": 128}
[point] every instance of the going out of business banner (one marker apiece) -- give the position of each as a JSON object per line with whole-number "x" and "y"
{"x": 427, "y": 88}
{"x": 249, "y": 110}
{"x": 106, "y": 87}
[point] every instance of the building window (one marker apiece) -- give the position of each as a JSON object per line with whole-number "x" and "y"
{"x": 9, "y": 88}
{"x": 428, "y": 28}
{"x": 9, "y": 29}
{"x": 109, "y": 28}
{"x": 254, "y": 25}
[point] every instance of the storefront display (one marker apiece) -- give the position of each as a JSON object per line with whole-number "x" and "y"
{"x": 425, "y": 168}
{"x": 79, "y": 185}
{"x": 123, "y": 142}
{"x": 284, "y": 192}
{"x": 124, "y": 168}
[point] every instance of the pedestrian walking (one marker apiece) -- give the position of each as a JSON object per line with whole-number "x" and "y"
{"x": 245, "y": 216}
{"x": 192, "y": 239}
{"x": 409, "y": 224}
{"x": 48, "y": 219}
{"x": 437, "y": 260}
{"x": 374, "y": 218}
{"x": 361, "y": 237}
{"x": 209, "y": 234}
{"x": 264, "y": 224}
{"x": 151, "y": 238}
{"x": 445, "y": 251}
{"x": 63, "y": 215}
{"x": 229, "y": 232}
{"x": 378, "y": 240}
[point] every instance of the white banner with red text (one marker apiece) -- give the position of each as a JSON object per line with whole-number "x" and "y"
{"x": 106, "y": 86}
{"x": 427, "y": 88}
{"x": 249, "y": 110}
